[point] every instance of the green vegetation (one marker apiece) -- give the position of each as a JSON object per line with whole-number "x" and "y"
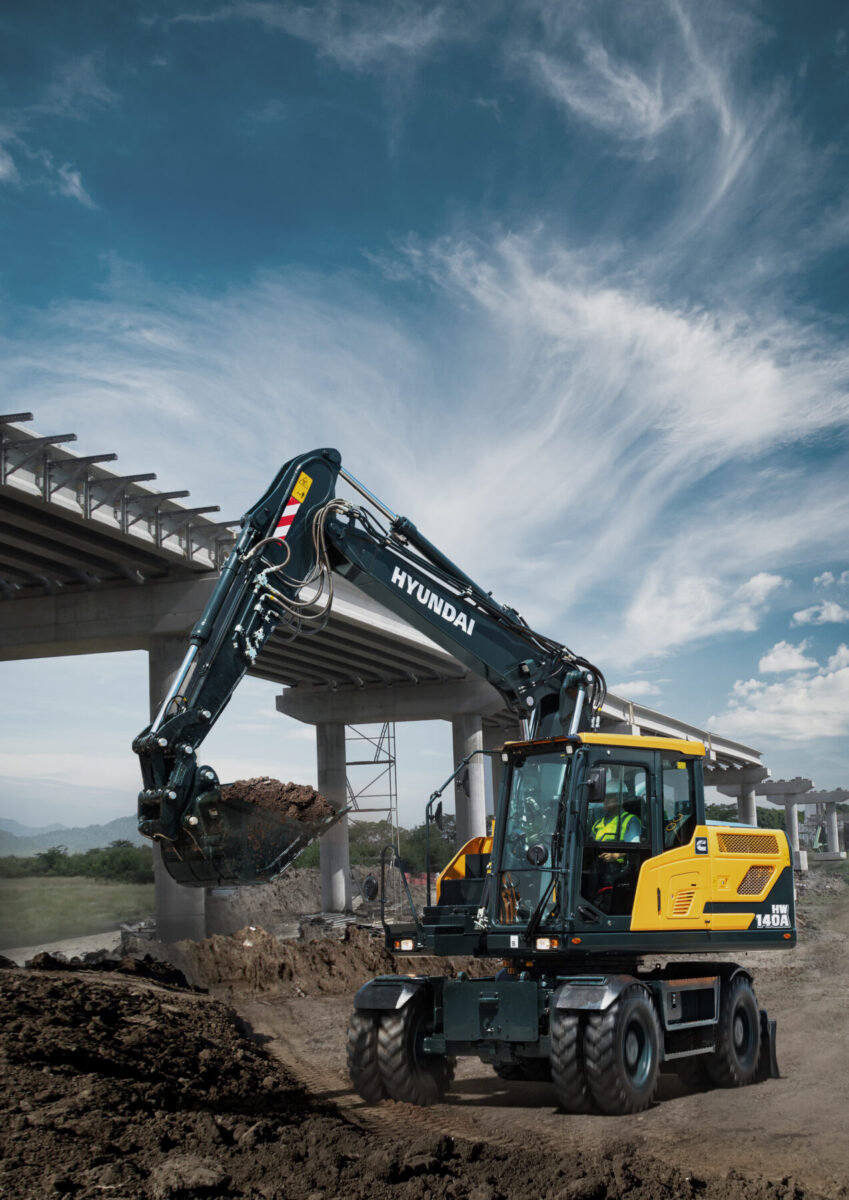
{"x": 367, "y": 839}
{"x": 768, "y": 818}
{"x": 44, "y": 909}
{"x": 120, "y": 861}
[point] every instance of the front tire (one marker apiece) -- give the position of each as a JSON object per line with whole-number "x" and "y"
{"x": 363, "y": 1066}
{"x": 408, "y": 1073}
{"x": 622, "y": 1053}
{"x": 734, "y": 1063}
{"x": 567, "y": 1062}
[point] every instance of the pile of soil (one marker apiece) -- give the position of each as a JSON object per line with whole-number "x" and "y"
{"x": 254, "y": 962}
{"x": 294, "y": 801}
{"x": 117, "y": 1086}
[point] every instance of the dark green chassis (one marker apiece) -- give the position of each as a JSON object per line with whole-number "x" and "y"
{"x": 505, "y": 1018}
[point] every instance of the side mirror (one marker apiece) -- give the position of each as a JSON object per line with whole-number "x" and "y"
{"x": 370, "y": 888}
{"x": 437, "y": 817}
{"x": 595, "y": 784}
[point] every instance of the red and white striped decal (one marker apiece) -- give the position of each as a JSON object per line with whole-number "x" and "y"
{"x": 286, "y": 518}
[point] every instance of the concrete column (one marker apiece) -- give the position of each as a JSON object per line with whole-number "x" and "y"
{"x": 493, "y": 739}
{"x": 333, "y": 847}
{"x": 180, "y": 911}
{"x": 747, "y": 805}
{"x": 832, "y": 836}
{"x": 792, "y": 823}
{"x": 470, "y": 788}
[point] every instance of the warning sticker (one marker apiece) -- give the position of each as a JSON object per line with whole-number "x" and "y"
{"x": 301, "y": 488}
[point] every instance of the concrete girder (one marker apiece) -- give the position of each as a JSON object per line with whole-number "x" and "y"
{"x": 124, "y": 617}
{"x": 413, "y": 702}
{"x": 785, "y": 787}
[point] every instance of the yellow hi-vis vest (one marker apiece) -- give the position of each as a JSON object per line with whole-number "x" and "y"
{"x": 613, "y": 829}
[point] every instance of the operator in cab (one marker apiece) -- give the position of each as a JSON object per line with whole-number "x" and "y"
{"x": 616, "y": 871}
{"x": 616, "y": 824}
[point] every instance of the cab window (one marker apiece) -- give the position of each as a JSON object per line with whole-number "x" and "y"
{"x": 679, "y": 802}
{"x": 623, "y": 814}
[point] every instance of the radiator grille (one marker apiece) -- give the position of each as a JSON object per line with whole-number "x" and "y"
{"x": 754, "y": 881}
{"x": 747, "y": 843}
{"x": 682, "y": 903}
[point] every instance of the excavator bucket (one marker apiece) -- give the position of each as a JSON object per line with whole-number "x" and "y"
{"x": 227, "y": 840}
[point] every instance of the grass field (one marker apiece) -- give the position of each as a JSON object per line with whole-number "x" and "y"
{"x": 45, "y": 908}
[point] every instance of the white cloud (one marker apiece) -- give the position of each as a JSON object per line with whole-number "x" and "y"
{"x": 668, "y": 613}
{"x": 829, "y": 612}
{"x": 839, "y": 659}
{"x": 786, "y": 657}
{"x": 8, "y": 170}
{"x": 71, "y": 184}
{"x": 641, "y": 451}
{"x": 635, "y": 689}
{"x": 75, "y": 89}
{"x": 824, "y": 580}
{"x": 843, "y": 581}
{"x": 797, "y": 709}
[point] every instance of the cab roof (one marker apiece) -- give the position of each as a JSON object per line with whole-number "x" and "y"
{"x": 626, "y": 740}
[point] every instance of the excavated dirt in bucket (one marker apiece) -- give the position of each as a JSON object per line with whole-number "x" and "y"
{"x": 295, "y": 801}
{"x": 119, "y": 1086}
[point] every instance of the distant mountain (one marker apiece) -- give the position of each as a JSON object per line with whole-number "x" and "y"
{"x": 7, "y": 825}
{"x": 75, "y": 840}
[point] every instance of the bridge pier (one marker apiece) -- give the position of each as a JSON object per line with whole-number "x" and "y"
{"x": 334, "y": 857}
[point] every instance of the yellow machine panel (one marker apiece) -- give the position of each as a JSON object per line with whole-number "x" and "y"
{"x": 456, "y": 868}
{"x": 719, "y": 866}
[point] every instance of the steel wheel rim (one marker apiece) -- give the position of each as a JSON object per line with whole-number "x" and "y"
{"x": 637, "y": 1052}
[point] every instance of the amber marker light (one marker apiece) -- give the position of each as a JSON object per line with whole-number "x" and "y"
{"x": 576, "y": 941}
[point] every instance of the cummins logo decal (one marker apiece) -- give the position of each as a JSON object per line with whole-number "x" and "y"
{"x": 430, "y": 600}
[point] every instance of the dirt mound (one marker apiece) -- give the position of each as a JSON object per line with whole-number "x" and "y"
{"x": 254, "y": 962}
{"x": 144, "y": 968}
{"x": 294, "y": 801}
{"x": 116, "y": 1086}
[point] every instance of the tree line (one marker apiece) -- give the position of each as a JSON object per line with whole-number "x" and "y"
{"x": 119, "y": 861}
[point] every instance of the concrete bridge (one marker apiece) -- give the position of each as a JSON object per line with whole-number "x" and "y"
{"x": 92, "y": 561}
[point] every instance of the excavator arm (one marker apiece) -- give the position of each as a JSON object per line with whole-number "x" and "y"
{"x": 280, "y": 574}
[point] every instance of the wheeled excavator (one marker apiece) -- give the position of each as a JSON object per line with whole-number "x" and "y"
{"x": 601, "y": 891}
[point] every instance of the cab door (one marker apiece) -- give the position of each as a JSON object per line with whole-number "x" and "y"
{"x": 616, "y": 834}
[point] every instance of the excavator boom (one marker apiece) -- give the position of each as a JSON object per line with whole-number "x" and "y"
{"x": 280, "y": 573}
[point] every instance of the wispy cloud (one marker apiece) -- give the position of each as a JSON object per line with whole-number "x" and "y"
{"x": 359, "y": 34}
{"x": 70, "y": 184}
{"x": 643, "y": 453}
{"x": 76, "y": 88}
{"x": 75, "y": 92}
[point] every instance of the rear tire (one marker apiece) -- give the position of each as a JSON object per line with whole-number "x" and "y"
{"x": 568, "y": 1072}
{"x": 734, "y": 1063}
{"x": 363, "y": 1066}
{"x": 408, "y": 1073}
{"x": 622, "y": 1053}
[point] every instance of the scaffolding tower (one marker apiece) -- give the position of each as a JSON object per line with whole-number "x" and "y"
{"x": 371, "y": 776}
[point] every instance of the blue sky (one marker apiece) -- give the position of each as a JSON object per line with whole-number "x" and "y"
{"x": 565, "y": 283}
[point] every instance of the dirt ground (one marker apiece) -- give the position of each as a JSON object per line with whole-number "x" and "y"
{"x": 120, "y": 1085}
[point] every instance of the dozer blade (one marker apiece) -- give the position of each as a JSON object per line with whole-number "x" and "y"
{"x": 225, "y": 841}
